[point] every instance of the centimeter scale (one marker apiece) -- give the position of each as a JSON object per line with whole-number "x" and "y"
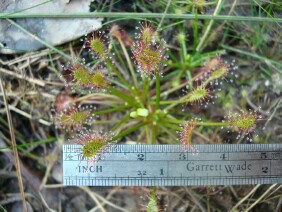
{"x": 171, "y": 165}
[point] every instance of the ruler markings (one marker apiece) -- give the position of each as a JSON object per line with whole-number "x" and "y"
{"x": 199, "y": 149}
{"x": 177, "y": 148}
{"x": 181, "y": 181}
{"x": 141, "y": 165}
{"x": 80, "y": 159}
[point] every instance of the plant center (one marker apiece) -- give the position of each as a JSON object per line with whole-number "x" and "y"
{"x": 147, "y": 35}
{"x": 149, "y": 58}
{"x": 198, "y": 94}
{"x": 97, "y": 46}
{"x": 218, "y": 73}
{"x": 91, "y": 148}
{"x": 65, "y": 120}
{"x": 246, "y": 122}
{"x": 99, "y": 80}
{"x": 78, "y": 117}
{"x": 81, "y": 76}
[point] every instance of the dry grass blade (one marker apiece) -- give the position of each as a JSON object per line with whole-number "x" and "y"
{"x": 166, "y": 9}
{"x": 261, "y": 197}
{"x": 45, "y": 203}
{"x": 90, "y": 193}
{"x": 204, "y": 37}
{"x": 15, "y": 150}
{"x": 42, "y": 121}
{"x": 246, "y": 197}
{"x": 19, "y": 76}
{"x": 105, "y": 201}
{"x": 195, "y": 200}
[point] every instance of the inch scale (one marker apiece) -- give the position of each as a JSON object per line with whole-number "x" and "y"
{"x": 170, "y": 165}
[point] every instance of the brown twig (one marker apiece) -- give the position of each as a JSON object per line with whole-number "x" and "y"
{"x": 15, "y": 150}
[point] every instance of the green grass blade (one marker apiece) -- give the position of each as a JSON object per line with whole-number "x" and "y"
{"x": 130, "y": 15}
{"x": 264, "y": 59}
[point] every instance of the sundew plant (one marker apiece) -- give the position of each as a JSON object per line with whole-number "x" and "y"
{"x": 95, "y": 75}
{"x": 128, "y": 87}
{"x": 152, "y": 94}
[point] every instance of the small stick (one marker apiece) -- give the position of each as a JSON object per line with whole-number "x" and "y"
{"x": 15, "y": 150}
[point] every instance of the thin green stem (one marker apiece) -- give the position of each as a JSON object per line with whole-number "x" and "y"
{"x": 110, "y": 110}
{"x": 154, "y": 191}
{"x": 266, "y": 11}
{"x": 28, "y": 8}
{"x": 165, "y": 12}
{"x": 104, "y": 122}
{"x": 182, "y": 85}
{"x": 121, "y": 122}
{"x": 154, "y": 135}
{"x": 125, "y": 97}
{"x": 173, "y": 103}
{"x": 39, "y": 40}
{"x": 183, "y": 56}
{"x": 23, "y": 150}
{"x": 216, "y": 124}
{"x": 98, "y": 95}
{"x": 183, "y": 45}
{"x": 208, "y": 29}
{"x": 264, "y": 59}
{"x": 157, "y": 106}
{"x": 131, "y": 69}
{"x": 199, "y": 123}
{"x": 171, "y": 126}
{"x": 171, "y": 106}
{"x": 139, "y": 15}
{"x": 129, "y": 63}
{"x": 146, "y": 87}
{"x": 130, "y": 130}
{"x": 147, "y": 133}
{"x": 195, "y": 30}
{"x": 114, "y": 69}
{"x": 48, "y": 140}
{"x": 158, "y": 91}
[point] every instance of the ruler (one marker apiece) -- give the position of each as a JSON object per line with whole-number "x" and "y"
{"x": 170, "y": 165}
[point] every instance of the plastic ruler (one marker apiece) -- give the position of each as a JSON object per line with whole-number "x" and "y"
{"x": 171, "y": 165}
